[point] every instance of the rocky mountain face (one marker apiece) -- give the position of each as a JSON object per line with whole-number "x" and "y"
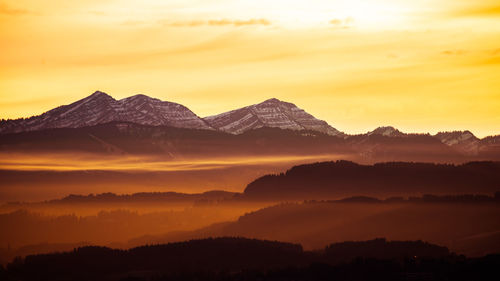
{"x": 100, "y": 108}
{"x": 387, "y": 131}
{"x": 463, "y": 141}
{"x": 271, "y": 113}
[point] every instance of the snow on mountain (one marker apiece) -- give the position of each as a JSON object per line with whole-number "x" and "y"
{"x": 387, "y": 131}
{"x": 150, "y": 111}
{"x": 270, "y": 113}
{"x": 100, "y": 108}
{"x": 463, "y": 141}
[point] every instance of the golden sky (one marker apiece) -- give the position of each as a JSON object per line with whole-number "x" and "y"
{"x": 421, "y": 66}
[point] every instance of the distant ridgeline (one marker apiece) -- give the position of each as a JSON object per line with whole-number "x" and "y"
{"x": 232, "y": 257}
{"x": 341, "y": 178}
{"x": 224, "y": 197}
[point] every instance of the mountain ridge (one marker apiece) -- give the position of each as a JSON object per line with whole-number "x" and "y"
{"x": 269, "y": 113}
{"x": 100, "y": 108}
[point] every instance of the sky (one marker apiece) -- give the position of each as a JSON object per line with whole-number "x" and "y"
{"x": 420, "y": 66}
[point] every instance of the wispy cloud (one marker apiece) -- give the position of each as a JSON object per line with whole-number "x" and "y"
{"x": 97, "y": 13}
{"x": 133, "y": 22}
{"x": 342, "y": 23}
{"x": 6, "y": 10}
{"x": 484, "y": 11}
{"x": 454, "y": 52}
{"x": 220, "y": 22}
{"x": 492, "y": 61}
{"x": 336, "y": 21}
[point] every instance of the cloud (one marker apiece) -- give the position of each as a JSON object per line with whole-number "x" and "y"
{"x": 484, "y": 11}
{"x": 492, "y": 61}
{"x": 336, "y": 22}
{"x": 133, "y": 22}
{"x": 6, "y": 10}
{"x": 453, "y": 52}
{"x": 342, "y": 23}
{"x": 221, "y": 22}
{"x": 186, "y": 23}
{"x": 97, "y": 13}
{"x": 240, "y": 22}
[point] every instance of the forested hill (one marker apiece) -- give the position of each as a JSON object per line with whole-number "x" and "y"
{"x": 215, "y": 256}
{"x": 345, "y": 178}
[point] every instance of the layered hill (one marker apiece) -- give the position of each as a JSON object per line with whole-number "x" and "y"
{"x": 248, "y": 259}
{"x": 467, "y": 225}
{"x": 341, "y": 178}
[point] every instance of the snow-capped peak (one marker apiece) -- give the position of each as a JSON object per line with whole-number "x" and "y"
{"x": 456, "y": 137}
{"x": 269, "y": 113}
{"x": 463, "y": 141}
{"x": 100, "y": 108}
{"x": 387, "y": 131}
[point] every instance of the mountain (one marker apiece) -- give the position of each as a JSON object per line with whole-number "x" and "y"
{"x": 178, "y": 143}
{"x": 100, "y": 108}
{"x": 464, "y": 141}
{"x": 387, "y": 131}
{"x": 490, "y": 146}
{"x": 270, "y": 113}
{"x": 141, "y": 124}
{"x": 132, "y": 138}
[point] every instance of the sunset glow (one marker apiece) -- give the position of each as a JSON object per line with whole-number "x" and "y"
{"x": 75, "y": 162}
{"x": 223, "y": 140}
{"x": 421, "y": 66}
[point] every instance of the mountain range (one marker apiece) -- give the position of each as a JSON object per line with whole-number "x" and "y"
{"x": 100, "y": 109}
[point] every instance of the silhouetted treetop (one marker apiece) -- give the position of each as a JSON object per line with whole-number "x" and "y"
{"x": 212, "y": 256}
{"x": 382, "y": 249}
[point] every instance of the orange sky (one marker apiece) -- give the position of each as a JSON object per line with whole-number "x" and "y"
{"x": 421, "y": 66}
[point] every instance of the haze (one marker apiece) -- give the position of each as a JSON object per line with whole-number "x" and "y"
{"x": 249, "y": 140}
